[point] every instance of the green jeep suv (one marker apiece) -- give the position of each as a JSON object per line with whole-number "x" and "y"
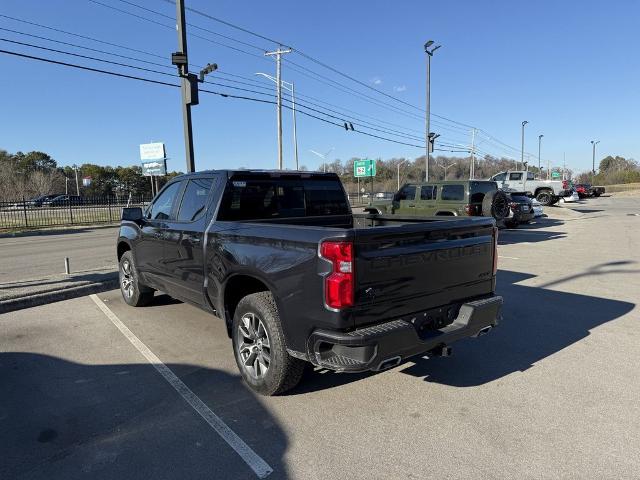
{"x": 450, "y": 198}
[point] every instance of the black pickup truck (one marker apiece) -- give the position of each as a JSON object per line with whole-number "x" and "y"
{"x": 297, "y": 277}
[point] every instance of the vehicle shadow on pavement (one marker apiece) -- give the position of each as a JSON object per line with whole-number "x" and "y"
{"x": 510, "y": 237}
{"x": 61, "y": 279}
{"x": 537, "y": 323}
{"x": 65, "y": 420}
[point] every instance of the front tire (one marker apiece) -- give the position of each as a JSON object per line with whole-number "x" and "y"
{"x": 259, "y": 347}
{"x": 134, "y": 292}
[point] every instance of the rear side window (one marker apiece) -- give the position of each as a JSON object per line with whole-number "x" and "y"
{"x": 255, "y": 199}
{"x": 453, "y": 192}
{"x": 194, "y": 200}
{"x": 161, "y": 208}
{"x": 480, "y": 189}
{"x": 515, "y": 176}
{"x": 408, "y": 192}
{"x": 428, "y": 192}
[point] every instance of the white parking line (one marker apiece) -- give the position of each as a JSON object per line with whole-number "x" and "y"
{"x": 251, "y": 458}
{"x": 511, "y": 258}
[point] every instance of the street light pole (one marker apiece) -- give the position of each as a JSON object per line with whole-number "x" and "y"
{"x": 593, "y": 159}
{"x": 427, "y": 135}
{"x": 295, "y": 135}
{"x": 278, "y": 54}
{"x": 539, "y": 144}
{"x": 291, "y": 88}
{"x": 522, "y": 151}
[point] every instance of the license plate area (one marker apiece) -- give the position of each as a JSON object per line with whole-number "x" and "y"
{"x": 435, "y": 319}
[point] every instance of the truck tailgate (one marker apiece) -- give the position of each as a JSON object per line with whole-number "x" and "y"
{"x": 415, "y": 268}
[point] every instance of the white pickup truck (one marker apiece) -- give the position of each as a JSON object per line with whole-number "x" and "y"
{"x": 547, "y": 192}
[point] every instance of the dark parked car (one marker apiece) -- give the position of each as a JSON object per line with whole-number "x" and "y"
{"x": 38, "y": 201}
{"x": 521, "y": 209}
{"x": 64, "y": 201}
{"x": 296, "y": 277}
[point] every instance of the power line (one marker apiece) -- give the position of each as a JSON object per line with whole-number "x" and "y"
{"x": 158, "y": 82}
{"x": 80, "y": 36}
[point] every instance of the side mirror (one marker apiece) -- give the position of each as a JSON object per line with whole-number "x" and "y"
{"x": 132, "y": 214}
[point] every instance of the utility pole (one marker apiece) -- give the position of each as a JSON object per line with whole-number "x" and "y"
{"x": 539, "y": 145}
{"x": 522, "y": 151}
{"x": 278, "y": 54}
{"x": 188, "y": 84}
{"x": 427, "y": 134}
{"x": 472, "y": 169}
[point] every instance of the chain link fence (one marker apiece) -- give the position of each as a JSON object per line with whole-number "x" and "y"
{"x": 64, "y": 210}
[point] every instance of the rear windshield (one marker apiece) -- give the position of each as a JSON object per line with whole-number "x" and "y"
{"x": 480, "y": 189}
{"x": 255, "y": 199}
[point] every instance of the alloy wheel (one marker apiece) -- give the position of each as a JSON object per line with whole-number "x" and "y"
{"x": 126, "y": 278}
{"x": 253, "y": 346}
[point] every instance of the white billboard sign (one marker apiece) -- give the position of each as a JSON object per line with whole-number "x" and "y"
{"x": 152, "y": 151}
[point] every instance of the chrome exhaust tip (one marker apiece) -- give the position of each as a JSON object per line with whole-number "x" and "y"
{"x": 484, "y": 331}
{"x": 389, "y": 363}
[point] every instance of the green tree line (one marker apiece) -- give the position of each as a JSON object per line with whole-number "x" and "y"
{"x": 28, "y": 175}
{"x": 613, "y": 171}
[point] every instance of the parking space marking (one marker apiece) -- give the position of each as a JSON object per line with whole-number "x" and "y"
{"x": 251, "y": 458}
{"x": 511, "y": 258}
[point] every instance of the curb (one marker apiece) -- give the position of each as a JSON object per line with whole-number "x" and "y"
{"x": 58, "y": 295}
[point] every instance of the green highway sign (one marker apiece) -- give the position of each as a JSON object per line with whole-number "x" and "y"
{"x": 555, "y": 174}
{"x": 364, "y": 168}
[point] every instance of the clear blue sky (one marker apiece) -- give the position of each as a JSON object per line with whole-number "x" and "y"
{"x": 570, "y": 68}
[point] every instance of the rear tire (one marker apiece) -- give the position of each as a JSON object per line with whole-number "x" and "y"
{"x": 545, "y": 197}
{"x": 259, "y": 346}
{"x": 134, "y": 292}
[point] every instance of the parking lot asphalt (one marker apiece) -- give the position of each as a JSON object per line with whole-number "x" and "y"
{"x": 42, "y": 254}
{"x": 551, "y": 393}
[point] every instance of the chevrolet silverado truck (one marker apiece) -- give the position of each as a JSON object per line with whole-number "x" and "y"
{"x": 296, "y": 277}
{"x": 547, "y": 192}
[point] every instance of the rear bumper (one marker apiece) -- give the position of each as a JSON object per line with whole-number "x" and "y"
{"x": 386, "y": 344}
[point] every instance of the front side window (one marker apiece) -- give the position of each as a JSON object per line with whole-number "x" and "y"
{"x": 531, "y": 176}
{"x": 500, "y": 177}
{"x": 161, "y": 208}
{"x": 515, "y": 176}
{"x": 453, "y": 192}
{"x": 408, "y": 192}
{"x": 194, "y": 200}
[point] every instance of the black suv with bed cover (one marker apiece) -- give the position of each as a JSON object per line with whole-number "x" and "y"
{"x": 297, "y": 277}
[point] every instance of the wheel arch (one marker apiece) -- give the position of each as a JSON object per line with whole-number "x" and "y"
{"x": 123, "y": 246}
{"x": 235, "y": 289}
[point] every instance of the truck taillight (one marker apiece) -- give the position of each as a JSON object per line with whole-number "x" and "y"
{"x": 339, "y": 284}
{"x": 495, "y": 250}
{"x": 469, "y": 210}
{"x": 565, "y": 184}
